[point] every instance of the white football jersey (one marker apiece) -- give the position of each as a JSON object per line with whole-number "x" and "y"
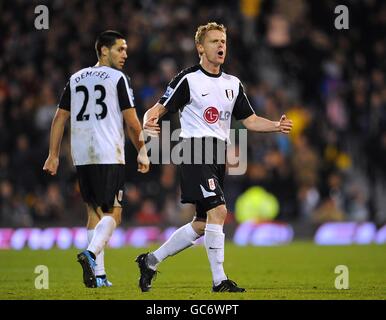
{"x": 206, "y": 102}
{"x": 96, "y": 97}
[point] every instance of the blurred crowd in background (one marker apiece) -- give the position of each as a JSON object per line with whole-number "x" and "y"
{"x": 288, "y": 55}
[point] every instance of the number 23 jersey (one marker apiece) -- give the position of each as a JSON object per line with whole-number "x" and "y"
{"x": 96, "y": 97}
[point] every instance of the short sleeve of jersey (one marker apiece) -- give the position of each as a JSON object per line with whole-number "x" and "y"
{"x": 125, "y": 93}
{"x": 242, "y": 108}
{"x": 65, "y": 99}
{"x": 177, "y": 95}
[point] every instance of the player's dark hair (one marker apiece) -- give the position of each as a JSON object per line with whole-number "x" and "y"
{"x": 107, "y": 39}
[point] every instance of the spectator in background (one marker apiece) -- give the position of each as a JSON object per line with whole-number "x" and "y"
{"x": 256, "y": 205}
{"x": 376, "y": 149}
{"x": 147, "y": 214}
{"x": 49, "y": 207}
{"x": 23, "y": 172}
{"x": 332, "y": 205}
{"x": 4, "y": 166}
{"x": 133, "y": 198}
{"x": 14, "y": 211}
{"x": 305, "y": 163}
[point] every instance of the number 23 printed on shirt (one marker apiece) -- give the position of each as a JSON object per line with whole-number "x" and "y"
{"x": 81, "y": 116}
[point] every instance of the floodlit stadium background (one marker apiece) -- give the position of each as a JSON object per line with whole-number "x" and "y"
{"x": 290, "y": 58}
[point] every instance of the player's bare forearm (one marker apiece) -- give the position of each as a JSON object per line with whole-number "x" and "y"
{"x": 136, "y": 136}
{"x": 259, "y": 124}
{"x": 135, "y": 133}
{"x": 134, "y": 129}
{"x": 57, "y": 129}
{"x": 157, "y": 111}
{"x": 56, "y": 135}
{"x": 151, "y": 118}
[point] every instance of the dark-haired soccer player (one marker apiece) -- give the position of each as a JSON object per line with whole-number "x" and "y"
{"x": 205, "y": 96}
{"x": 98, "y": 100}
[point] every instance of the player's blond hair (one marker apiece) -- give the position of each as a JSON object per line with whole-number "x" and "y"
{"x": 203, "y": 30}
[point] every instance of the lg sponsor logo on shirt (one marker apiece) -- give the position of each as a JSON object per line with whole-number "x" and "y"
{"x": 212, "y": 115}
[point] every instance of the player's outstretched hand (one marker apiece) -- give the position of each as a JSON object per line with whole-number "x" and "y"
{"x": 51, "y": 165}
{"x": 151, "y": 127}
{"x": 285, "y": 125}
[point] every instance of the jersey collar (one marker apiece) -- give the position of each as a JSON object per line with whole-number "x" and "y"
{"x": 213, "y": 75}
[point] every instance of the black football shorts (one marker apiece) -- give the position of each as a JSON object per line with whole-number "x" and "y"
{"x": 203, "y": 184}
{"x": 101, "y": 185}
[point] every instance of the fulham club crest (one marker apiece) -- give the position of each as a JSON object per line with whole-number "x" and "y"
{"x": 212, "y": 185}
{"x": 229, "y": 94}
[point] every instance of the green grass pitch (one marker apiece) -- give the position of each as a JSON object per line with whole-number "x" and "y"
{"x": 300, "y": 270}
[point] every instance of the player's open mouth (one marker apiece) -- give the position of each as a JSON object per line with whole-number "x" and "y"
{"x": 220, "y": 53}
